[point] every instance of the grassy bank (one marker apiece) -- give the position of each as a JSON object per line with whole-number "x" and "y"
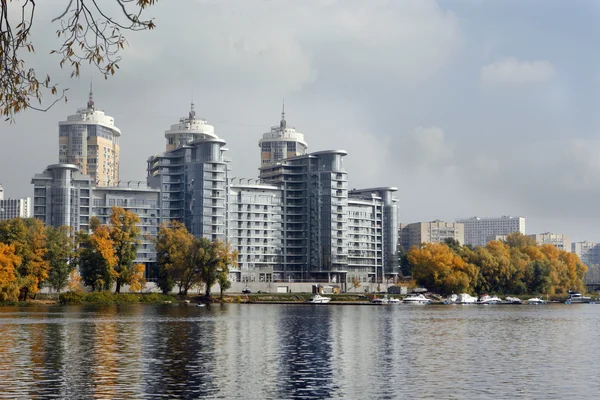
{"x": 109, "y": 298}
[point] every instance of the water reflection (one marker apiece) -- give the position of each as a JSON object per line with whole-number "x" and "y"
{"x": 281, "y": 351}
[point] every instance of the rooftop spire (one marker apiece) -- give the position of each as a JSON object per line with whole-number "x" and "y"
{"x": 192, "y": 111}
{"x": 283, "y": 124}
{"x": 90, "y": 104}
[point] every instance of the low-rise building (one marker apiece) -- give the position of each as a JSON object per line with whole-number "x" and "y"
{"x": 562, "y": 242}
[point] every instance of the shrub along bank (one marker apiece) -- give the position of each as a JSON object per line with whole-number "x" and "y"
{"x": 108, "y": 298}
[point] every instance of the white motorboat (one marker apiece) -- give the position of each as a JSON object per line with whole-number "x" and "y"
{"x": 393, "y": 300}
{"x": 486, "y": 299}
{"x": 577, "y": 298}
{"x": 416, "y": 299}
{"x": 535, "y": 300}
{"x": 513, "y": 300}
{"x": 452, "y": 299}
{"x": 380, "y": 300}
{"x": 318, "y": 299}
{"x": 465, "y": 298}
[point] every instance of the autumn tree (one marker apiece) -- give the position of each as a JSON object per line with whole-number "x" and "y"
{"x": 88, "y": 32}
{"x": 138, "y": 279}
{"x": 438, "y": 268}
{"x": 171, "y": 244}
{"x": 9, "y": 288}
{"x": 28, "y": 236}
{"x": 124, "y": 234}
{"x": 61, "y": 255}
{"x": 216, "y": 260}
{"x": 96, "y": 258}
{"x": 355, "y": 282}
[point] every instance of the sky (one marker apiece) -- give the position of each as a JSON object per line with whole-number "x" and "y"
{"x": 468, "y": 107}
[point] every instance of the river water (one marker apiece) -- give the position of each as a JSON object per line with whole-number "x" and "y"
{"x": 239, "y": 351}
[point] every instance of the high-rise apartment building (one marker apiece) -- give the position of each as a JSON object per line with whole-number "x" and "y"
{"x": 14, "y": 208}
{"x": 430, "y": 232}
{"x": 192, "y": 176}
{"x": 282, "y": 142}
{"x": 254, "y": 230}
{"x": 478, "y": 230}
{"x": 89, "y": 140}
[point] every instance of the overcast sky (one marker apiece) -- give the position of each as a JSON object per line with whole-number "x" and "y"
{"x": 469, "y": 107}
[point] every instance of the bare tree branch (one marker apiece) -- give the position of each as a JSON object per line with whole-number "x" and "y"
{"x": 87, "y": 33}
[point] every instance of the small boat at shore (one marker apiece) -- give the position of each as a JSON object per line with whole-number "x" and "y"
{"x": 577, "y": 298}
{"x": 318, "y": 299}
{"x": 452, "y": 299}
{"x": 513, "y": 300}
{"x": 465, "y": 298}
{"x": 535, "y": 300}
{"x": 416, "y": 299}
{"x": 393, "y": 300}
{"x": 380, "y": 300}
{"x": 486, "y": 299}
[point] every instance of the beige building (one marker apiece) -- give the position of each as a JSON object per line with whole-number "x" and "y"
{"x": 89, "y": 139}
{"x": 188, "y": 130}
{"x": 562, "y": 242}
{"x": 429, "y": 232}
{"x": 282, "y": 142}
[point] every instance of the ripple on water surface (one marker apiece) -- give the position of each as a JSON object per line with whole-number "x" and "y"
{"x": 296, "y": 352}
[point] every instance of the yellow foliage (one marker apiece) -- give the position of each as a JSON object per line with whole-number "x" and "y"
{"x": 75, "y": 284}
{"x": 9, "y": 288}
{"x": 137, "y": 281}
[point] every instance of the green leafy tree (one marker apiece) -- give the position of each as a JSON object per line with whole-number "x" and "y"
{"x": 61, "y": 255}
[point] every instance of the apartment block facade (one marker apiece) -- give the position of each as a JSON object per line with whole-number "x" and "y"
{"x": 478, "y": 229}
{"x": 430, "y": 232}
{"x": 560, "y": 241}
{"x": 14, "y": 208}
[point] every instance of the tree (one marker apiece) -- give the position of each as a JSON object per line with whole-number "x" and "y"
{"x": 124, "y": 234}
{"x": 216, "y": 260}
{"x": 60, "y": 255}
{"x": 224, "y": 282}
{"x": 9, "y": 288}
{"x": 438, "y": 268}
{"x": 171, "y": 244}
{"x": 88, "y": 33}
{"x": 29, "y": 239}
{"x": 96, "y": 257}
{"x": 138, "y": 281}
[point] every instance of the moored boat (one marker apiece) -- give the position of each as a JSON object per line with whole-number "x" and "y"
{"x": 486, "y": 299}
{"x": 577, "y": 298}
{"x": 416, "y": 299}
{"x": 380, "y": 300}
{"x": 535, "y": 300}
{"x": 465, "y": 298}
{"x": 318, "y": 299}
{"x": 513, "y": 300}
{"x": 452, "y": 299}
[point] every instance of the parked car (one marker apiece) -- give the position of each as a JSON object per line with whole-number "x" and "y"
{"x": 246, "y": 290}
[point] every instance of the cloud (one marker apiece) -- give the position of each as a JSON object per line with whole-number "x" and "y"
{"x": 511, "y": 71}
{"x": 424, "y": 151}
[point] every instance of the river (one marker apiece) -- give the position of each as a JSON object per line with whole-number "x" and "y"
{"x": 240, "y": 351}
